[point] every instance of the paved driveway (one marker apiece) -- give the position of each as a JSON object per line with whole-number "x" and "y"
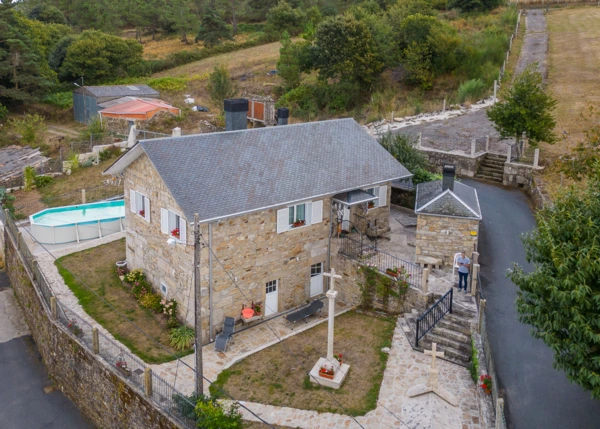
{"x": 537, "y": 395}
{"x": 23, "y": 402}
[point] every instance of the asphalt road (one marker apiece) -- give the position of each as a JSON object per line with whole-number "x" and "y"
{"x": 537, "y": 395}
{"x": 23, "y": 402}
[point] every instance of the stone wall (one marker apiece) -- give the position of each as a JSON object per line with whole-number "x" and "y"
{"x": 466, "y": 165}
{"x": 246, "y": 249}
{"x": 519, "y": 175}
{"x": 404, "y": 198}
{"x": 379, "y": 217}
{"x": 94, "y": 386}
{"x": 1, "y": 243}
{"x": 440, "y": 237}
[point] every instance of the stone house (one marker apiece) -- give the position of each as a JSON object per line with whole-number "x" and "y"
{"x": 448, "y": 216}
{"x": 266, "y": 199}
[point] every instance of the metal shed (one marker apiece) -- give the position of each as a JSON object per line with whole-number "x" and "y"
{"x": 87, "y": 98}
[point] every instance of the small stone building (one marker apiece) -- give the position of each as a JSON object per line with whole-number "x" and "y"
{"x": 265, "y": 197}
{"x": 448, "y": 216}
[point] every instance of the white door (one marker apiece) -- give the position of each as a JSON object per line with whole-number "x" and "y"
{"x": 346, "y": 219}
{"x": 316, "y": 279}
{"x": 272, "y": 298}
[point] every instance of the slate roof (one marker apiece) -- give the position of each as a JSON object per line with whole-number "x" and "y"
{"x": 461, "y": 202}
{"x": 224, "y": 174}
{"x": 120, "y": 91}
{"x": 13, "y": 159}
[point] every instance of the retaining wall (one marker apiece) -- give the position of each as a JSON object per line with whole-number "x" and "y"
{"x": 466, "y": 165}
{"x": 102, "y": 395}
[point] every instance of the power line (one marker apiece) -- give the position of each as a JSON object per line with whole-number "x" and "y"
{"x": 76, "y": 277}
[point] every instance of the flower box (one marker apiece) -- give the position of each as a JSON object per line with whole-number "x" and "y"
{"x": 371, "y": 205}
{"x": 142, "y": 213}
{"x": 125, "y": 372}
{"x": 392, "y": 273}
{"x": 298, "y": 223}
{"x": 325, "y": 375}
{"x": 175, "y": 233}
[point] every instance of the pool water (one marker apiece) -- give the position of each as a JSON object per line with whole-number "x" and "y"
{"x": 78, "y": 214}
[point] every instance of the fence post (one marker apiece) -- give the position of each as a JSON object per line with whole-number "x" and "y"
{"x": 419, "y": 142}
{"x": 499, "y": 412}
{"x": 508, "y": 154}
{"x": 481, "y": 313}
{"x": 95, "y": 341}
{"x": 536, "y": 157}
{"x": 474, "y": 277}
{"x": 444, "y": 107}
{"x": 487, "y": 142}
{"x": 425, "y": 281}
{"x": 83, "y": 196}
{"x": 473, "y": 143}
{"x": 495, "y": 93}
{"x": 53, "y": 308}
{"x": 475, "y": 258}
{"x": 176, "y": 132}
{"x": 148, "y": 381}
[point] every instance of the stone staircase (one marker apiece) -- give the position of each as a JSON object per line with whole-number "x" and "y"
{"x": 491, "y": 168}
{"x": 452, "y": 334}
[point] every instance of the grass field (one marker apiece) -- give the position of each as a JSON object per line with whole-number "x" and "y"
{"x": 574, "y": 62}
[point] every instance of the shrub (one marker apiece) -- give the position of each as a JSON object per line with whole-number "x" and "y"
{"x": 471, "y": 90}
{"x": 136, "y": 275}
{"x": 182, "y": 338}
{"x": 64, "y": 100}
{"x": 474, "y": 367}
{"x": 168, "y": 83}
{"x": 32, "y": 128}
{"x": 3, "y": 112}
{"x": 29, "y": 177}
{"x": 214, "y": 415}
{"x": 220, "y": 86}
{"x": 172, "y": 322}
{"x": 110, "y": 152}
{"x": 170, "y": 308}
{"x": 41, "y": 181}
{"x": 73, "y": 160}
{"x": 152, "y": 301}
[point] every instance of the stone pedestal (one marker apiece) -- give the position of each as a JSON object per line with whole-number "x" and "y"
{"x": 338, "y": 378}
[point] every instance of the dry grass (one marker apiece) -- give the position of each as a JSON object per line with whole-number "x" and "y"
{"x": 161, "y": 47}
{"x": 96, "y": 268}
{"x": 274, "y": 377}
{"x": 574, "y": 61}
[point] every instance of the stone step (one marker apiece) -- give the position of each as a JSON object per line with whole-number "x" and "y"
{"x": 490, "y": 172}
{"x": 495, "y": 157}
{"x": 488, "y": 178}
{"x": 457, "y": 356}
{"x": 457, "y": 346}
{"x": 491, "y": 168}
{"x": 451, "y": 334}
{"x": 492, "y": 164}
{"x": 448, "y": 323}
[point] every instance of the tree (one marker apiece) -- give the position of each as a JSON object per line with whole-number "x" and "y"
{"x": 48, "y": 14}
{"x": 527, "y": 109}
{"x": 403, "y": 147}
{"x": 100, "y": 57}
{"x": 285, "y": 18}
{"x": 183, "y": 18}
{"x": 473, "y": 5}
{"x": 220, "y": 86}
{"x": 344, "y": 49}
{"x": 560, "y": 298}
{"x": 59, "y": 53}
{"x": 288, "y": 66}
{"x": 213, "y": 29}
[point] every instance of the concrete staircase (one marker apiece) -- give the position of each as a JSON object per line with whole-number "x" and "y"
{"x": 452, "y": 334}
{"x": 491, "y": 168}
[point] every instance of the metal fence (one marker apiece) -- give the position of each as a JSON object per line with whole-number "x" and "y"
{"x": 129, "y": 367}
{"x": 428, "y": 320}
{"x": 365, "y": 253}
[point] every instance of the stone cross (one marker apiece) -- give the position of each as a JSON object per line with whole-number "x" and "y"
{"x": 434, "y": 354}
{"x": 331, "y": 294}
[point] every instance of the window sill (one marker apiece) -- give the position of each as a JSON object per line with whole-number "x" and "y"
{"x": 292, "y": 228}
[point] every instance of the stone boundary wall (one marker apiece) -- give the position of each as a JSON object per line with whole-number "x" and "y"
{"x": 466, "y": 166}
{"x": 95, "y": 387}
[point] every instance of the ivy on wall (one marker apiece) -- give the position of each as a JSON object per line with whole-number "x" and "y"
{"x": 382, "y": 286}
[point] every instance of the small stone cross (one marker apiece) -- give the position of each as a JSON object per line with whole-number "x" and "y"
{"x": 434, "y": 354}
{"x": 333, "y": 276}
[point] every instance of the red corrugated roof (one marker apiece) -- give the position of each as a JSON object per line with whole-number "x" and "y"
{"x": 139, "y": 109}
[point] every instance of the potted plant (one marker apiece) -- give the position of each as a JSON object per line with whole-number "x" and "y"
{"x": 175, "y": 233}
{"x": 122, "y": 368}
{"x": 327, "y": 372}
{"x": 338, "y": 357}
{"x": 371, "y": 204}
{"x": 257, "y": 309}
{"x": 142, "y": 213}
{"x": 392, "y": 272}
{"x": 298, "y": 223}
{"x": 486, "y": 383}
{"x": 74, "y": 328}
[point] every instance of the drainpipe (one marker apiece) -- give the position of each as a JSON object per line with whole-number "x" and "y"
{"x": 210, "y": 283}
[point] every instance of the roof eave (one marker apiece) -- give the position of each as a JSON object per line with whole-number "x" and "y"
{"x": 124, "y": 161}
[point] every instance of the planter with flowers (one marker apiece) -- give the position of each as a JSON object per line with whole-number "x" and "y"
{"x": 371, "y": 204}
{"x": 142, "y": 213}
{"x": 394, "y": 272}
{"x": 175, "y": 233}
{"x": 327, "y": 372}
{"x": 486, "y": 383}
{"x": 74, "y": 328}
{"x": 298, "y": 223}
{"x": 123, "y": 368}
{"x": 338, "y": 357}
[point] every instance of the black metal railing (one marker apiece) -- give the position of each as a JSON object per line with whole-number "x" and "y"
{"x": 361, "y": 250}
{"x": 428, "y": 320}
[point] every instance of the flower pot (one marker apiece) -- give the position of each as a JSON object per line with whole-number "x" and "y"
{"x": 391, "y": 273}
{"x": 325, "y": 375}
{"x": 121, "y": 264}
{"x": 125, "y": 372}
{"x": 488, "y": 391}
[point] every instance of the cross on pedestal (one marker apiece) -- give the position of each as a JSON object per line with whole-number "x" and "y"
{"x": 432, "y": 386}
{"x": 332, "y": 295}
{"x": 433, "y": 373}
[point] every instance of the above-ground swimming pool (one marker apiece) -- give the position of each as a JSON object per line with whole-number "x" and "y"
{"x": 76, "y": 223}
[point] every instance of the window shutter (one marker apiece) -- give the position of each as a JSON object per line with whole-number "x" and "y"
{"x": 382, "y": 195}
{"x": 164, "y": 221}
{"x": 132, "y": 200}
{"x": 282, "y": 220}
{"x": 308, "y": 212}
{"x": 317, "y": 211}
{"x": 182, "y": 230}
{"x": 147, "y": 209}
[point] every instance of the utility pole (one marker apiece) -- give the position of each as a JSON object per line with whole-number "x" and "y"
{"x": 198, "y": 308}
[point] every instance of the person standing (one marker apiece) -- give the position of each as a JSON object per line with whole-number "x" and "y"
{"x": 464, "y": 264}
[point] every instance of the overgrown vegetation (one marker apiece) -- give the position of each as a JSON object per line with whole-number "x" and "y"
{"x": 208, "y": 412}
{"x": 377, "y": 285}
{"x": 474, "y": 365}
{"x": 404, "y": 148}
{"x": 220, "y": 86}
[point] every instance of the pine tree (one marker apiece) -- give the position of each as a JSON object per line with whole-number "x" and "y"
{"x": 213, "y": 29}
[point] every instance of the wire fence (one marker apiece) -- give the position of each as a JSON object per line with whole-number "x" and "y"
{"x": 128, "y": 366}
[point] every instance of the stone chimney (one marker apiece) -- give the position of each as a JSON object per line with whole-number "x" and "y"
{"x": 283, "y": 113}
{"x": 448, "y": 177}
{"x": 236, "y": 114}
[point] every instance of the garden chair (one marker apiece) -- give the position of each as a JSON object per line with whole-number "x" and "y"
{"x": 305, "y": 312}
{"x": 455, "y": 265}
{"x": 223, "y": 339}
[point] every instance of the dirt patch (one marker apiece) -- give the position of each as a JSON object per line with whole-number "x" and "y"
{"x": 96, "y": 268}
{"x": 273, "y": 376}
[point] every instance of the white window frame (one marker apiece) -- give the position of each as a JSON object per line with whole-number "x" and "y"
{"x": 164, "y": 289}
{"x": 138, "y": 203}
{"x": 294, "y": 209}
{"x": 381, "y": 193}
{"x": 313, "y": 214}
{"x": 173, "y": 219}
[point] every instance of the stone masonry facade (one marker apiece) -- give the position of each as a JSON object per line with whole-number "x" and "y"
{"x": 440, "y": 237}
{"x": 246, "y": 250}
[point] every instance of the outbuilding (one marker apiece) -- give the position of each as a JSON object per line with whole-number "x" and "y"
{"x": 87, "y": 99}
